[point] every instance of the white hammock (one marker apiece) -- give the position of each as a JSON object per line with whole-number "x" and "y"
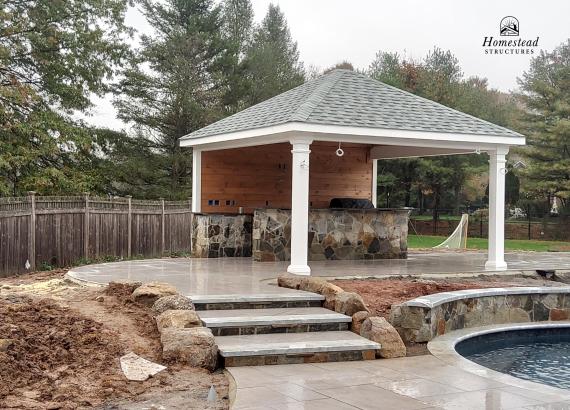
{"x": 458, "y": 239}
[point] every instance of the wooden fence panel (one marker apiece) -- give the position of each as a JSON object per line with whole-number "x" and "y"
{"x": 107, "y": 234}
{"x": 66, "y": 230}
{"x": 146, "y": 235}
{"x": 14, "y": 244}
{"x": 59, "y": 239}
{"x": 178, "y": 232}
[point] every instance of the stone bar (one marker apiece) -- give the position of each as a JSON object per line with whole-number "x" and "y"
{"x": 333, "y": 234}
{"x": 218, "y": 235}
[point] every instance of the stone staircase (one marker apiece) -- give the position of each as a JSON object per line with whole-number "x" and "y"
{"x": 287, "y": 328}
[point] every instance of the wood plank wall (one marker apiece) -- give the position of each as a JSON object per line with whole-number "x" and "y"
{"x": 260, "y": 177}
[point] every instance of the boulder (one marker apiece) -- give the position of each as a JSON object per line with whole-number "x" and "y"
{"x": 289, "y": 281}
{"x": 315, "y": 285}
{"x": 177, "y": 318}
{"x": 348, "y": 303}
{"x": 379, "y": 330}
{"x": 194, "y": 346}
{"x": 330, "y": 291}
{"x": 357, "y": 319}
{"x": 172, "y": 302}
{"x": 148, "y": 293}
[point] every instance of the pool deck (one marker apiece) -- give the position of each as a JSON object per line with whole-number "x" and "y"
{"x": 243, "y": 276}
{"x": 421, "y": 382}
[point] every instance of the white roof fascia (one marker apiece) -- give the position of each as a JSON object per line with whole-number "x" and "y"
{"x": 361, "y": 135}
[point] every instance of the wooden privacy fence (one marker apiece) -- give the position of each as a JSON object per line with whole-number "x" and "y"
{"x": 37, "y": 231}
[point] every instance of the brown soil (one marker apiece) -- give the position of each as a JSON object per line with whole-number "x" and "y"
{"x": 380, "y": 294}
{"x": 65, "y": 345}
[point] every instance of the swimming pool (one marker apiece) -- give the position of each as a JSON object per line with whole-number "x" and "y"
{"x": 540, "y": 355}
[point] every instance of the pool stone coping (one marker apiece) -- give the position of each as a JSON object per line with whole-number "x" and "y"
{"x": 437, "y": 299}
{"x": 443, "y": 348}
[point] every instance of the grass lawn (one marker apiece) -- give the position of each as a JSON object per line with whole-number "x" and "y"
{"x": 424, "y": 241}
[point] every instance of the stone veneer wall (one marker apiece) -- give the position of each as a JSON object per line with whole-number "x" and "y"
{"x": 422, "y": 324}
{"x": 333, "y": 234}
{"x": 216, "y": 236}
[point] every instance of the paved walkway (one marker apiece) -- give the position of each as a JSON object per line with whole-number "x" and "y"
{"x": 422, "y": 382}
{"x": 225, "y": 276}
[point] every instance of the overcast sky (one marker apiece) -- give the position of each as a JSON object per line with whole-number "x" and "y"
{"x": 329, "y": 31}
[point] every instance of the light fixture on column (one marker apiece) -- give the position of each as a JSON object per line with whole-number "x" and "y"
{"x": 339, "y": 151}
{"x": 304, "y": 164}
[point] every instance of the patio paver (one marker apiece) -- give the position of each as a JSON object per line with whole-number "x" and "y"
{"x": 421, "y": 382}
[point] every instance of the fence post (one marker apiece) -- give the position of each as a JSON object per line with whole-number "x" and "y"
{"x": 86, "y": 227}
{"x": 130, "y": 226}
{"x": 162, "y": 229}
{"x": 32, "y": 232}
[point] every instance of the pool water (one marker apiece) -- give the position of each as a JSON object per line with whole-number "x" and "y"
{"x": 539, "y": 355}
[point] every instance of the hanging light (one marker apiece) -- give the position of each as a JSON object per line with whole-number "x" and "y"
{"x": 339, "y": 151}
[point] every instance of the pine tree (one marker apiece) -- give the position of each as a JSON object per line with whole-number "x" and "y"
{"x": 546, "y": 93}
{"x": 273, "y": 58}
{"x": 176, "y": 84}
{"x": 238, "y": 32}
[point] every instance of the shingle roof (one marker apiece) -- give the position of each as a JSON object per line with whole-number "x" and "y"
{"x": 348, "y": 98}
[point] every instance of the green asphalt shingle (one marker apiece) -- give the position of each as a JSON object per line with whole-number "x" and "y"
{"x": 348, "y": 98}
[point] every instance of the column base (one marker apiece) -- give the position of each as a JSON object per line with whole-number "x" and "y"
{"x": 299, "y": 269}
{"x": 496, "y": 265}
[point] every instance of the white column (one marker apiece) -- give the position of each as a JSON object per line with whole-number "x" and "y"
{"x": 374, "y": 182}
{"x": 196, "y": 180}
{"x": 497, "y": 171}
{"x": 300, "y": 207}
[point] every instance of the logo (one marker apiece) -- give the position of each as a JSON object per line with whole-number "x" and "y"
{"x": 509, "y": 26}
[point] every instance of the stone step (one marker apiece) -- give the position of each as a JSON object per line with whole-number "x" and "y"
{"x": 312, "y": 347}
{"x": 257, "y": 301}
{"x": 276, "y": 320}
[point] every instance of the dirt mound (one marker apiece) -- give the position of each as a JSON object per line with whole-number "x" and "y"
{"x": 55, "y": 355}
{"x": 379, "y": 295}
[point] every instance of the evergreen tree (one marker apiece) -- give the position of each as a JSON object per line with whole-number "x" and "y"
{"x": 273, "y": 58}
{"x": 53, "y": 55}
{"x": 238, "y": 32}
{"x": 176, "y": 85}
{"x": 546, "y": 93}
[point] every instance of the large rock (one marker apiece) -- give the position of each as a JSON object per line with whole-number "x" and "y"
{"x": 348, "y": 303}
{"x": 148, "y": 293}
{"x": 357, "y": 319}
{"x": 379, "y": 330}
{"x": 195, "y": 346}
{"x": 289, "y": 281}
{"x": 315, "y": 285}
{"x": 177, "y": 318}
{"x": 330, "y": 292}
{"x": 172, "y": 302}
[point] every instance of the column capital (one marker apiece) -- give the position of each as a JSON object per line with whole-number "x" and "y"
{"x": 301, "y": 142}
{"x": 499, "y": 152}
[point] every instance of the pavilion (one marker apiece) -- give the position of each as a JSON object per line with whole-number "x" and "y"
{"x": 244, "y": 161}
